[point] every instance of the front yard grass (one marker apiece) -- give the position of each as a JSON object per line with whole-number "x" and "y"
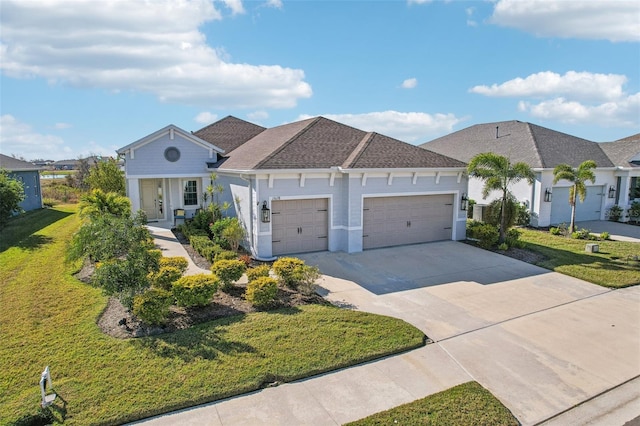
{"x": 468, "y": 404}
{"x": 608, "y": 267}
{"x": 49, "y": 318}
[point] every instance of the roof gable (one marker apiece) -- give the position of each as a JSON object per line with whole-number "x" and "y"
{"x": 229, "y": 133}
{"x": 14, "y": 165}
{"x": 534, "y": 145}
{"x": 173, "y": 131}
{"x": 624, "y": 152}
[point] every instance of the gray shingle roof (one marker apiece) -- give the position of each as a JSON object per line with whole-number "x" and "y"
{"x": 622, "y": 151}
{"x": 320, "y": 143}
{"x": 14, "y": 165}
{"x": 537, "y": 146}
{"x": 229, "y": 133}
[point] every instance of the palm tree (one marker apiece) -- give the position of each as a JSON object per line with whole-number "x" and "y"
{"x": 578, "y": 177}
{"x": 498, "y": 174}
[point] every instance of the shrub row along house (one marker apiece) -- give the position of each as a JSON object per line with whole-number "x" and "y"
{"x": 311, "y": 185}
{"x": 617, "y": 173}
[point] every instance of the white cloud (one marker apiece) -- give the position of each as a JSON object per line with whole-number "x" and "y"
{"x": 258, "y": 115}
{"x": 624, "y": 112}
{"x": 62, "y": 126}
{"x": 410, "y": 127}
{"x": 206, "y": 117}
{"x": 418, "y": 1}
{"x": 149, "y": 47}
{"x": 470, "y": 22}
{"x": 235, "y": 6}
{"x": 595, "y": 19}
{"x": 581, "y": 85}
{"x": 20, "y": 139}
{"x": 410, "y": 83}
{"x": 274, "y": 3}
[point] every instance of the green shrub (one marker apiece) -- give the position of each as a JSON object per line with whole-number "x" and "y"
{"x": 262, "y": 291}
{"x": 285, "y": 269}
{"x": 166, "y": 276}
{"x": 195, "y": 290}
{"x": 554, "y": 230}
{"x": 226, "y": 255}
{"x": 503, "y": 247}
{"x": 234, "y": 234}
{"x": 258, "y": 271}
{"x": 152, "y": 306}
{"x": 217, "y": 229}
{"x": 228, "y": 271}
{"x": 582, "y": 234}
{"x": 178, "y": 262}
{"x": 306, "y": 277}
{"x": 523, "y": 216}
{"x": 513, "y": 235}
{"x": 604, "y": 235}
{"x": 494, "y": 211}
{"x": 49, "y": 202}
{"x": 487, "y": 235}
{"x": 205, "y": 247}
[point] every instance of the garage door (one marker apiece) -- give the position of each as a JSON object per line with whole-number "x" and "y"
{"x": 299, "y": 226}
{"x": 587, "y": 210}
{"x": 392, "y": 221}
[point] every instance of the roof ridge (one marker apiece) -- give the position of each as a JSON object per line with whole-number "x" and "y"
{"x": 358, "y": 150}
{"x": 288, "y": 142}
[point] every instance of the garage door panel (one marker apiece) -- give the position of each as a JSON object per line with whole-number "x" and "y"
{"x": 389, "y": 221}
{"x": 302, "y": 226}
{"x": 590, "y": 209}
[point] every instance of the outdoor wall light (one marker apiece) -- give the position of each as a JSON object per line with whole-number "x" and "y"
{"x": 612, "y": 192}
{"x": 547, "y": 195}
{"x": 265, "y": 213}
{"x": 464, "y": 201}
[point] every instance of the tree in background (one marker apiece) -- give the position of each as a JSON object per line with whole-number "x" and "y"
{"x": 107, "y": 176}
{"x": 11, "y": 195}
{"x": 578, "y": 178}
{"x": 498, "y": 174}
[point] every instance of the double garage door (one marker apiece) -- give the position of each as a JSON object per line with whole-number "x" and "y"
{"x": 587, "y": 210}
{"x": 392, "y": 221}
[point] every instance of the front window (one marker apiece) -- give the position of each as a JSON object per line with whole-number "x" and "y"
{"x": 191, "y": 193}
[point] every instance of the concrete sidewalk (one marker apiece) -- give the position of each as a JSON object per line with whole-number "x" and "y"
{"x": 170, "y": 246}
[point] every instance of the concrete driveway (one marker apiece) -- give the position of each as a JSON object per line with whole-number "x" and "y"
{"x": 540, "y": 341}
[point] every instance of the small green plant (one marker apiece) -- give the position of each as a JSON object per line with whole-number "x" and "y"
{"x": 614, "y": 213}
{"x": 262, "y": 291}
{"x": 604, "y": 235}
{"x": 306, "y": 277}
{"x": 178, "y": 262}
{"x": 195, "y": 290}
{"x": 234, "y": 233}
{"x": 229, "y": 271}
{"x": 152, "y": 306}
{"x": 285, "y": 269}
{"x": 513, "y": 235}
{"x": 225, "y": 255}
{"x": 487, "y": 235}
{"x": 258, "y": 271}
{"x": 554, "y": 231}
{"x": 164, "y": 277}
{"x": 217, "y": 230}
{"x": 582, "y": 234}
{"x": 503, "y": 247}
{"x": 205, "y": 247}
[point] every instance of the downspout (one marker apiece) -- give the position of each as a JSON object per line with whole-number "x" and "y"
{"x": 251, "y": 216}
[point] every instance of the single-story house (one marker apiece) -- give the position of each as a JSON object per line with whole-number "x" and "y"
{"x": 543, "y": 149}
{"x": 29, "y": 175}
{"x": 311, "y": 185}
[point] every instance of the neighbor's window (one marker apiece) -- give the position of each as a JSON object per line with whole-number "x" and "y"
{"x": 190, "y": 193}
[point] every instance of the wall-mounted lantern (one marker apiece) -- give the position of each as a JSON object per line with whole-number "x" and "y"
{"x": 464, "y": 201}
{"x": 547, "y": 195}
{"x": 265, "y": 213}
{"x": 612, "y": 192}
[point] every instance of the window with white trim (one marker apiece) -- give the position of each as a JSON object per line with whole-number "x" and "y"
{"x": 190, "y": 193}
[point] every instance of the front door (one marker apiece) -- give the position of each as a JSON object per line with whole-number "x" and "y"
{"x": 151, "y": 198}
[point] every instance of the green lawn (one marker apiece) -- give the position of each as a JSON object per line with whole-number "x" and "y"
{"x": 608, "y": 268}
{"x": 49, "y": 318}
{"x": 468, "y": 404}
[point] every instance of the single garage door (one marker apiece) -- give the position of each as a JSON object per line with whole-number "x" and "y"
{"x": 299, "y": 226}
{"x": 393, "y": 221}
{"x": 587, "y": 210}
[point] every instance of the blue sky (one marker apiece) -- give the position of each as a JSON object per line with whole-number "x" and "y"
{"x": 87, "y": 77}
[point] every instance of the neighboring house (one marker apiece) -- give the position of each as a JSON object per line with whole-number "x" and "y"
{"x": 625, "y": 155}
{"x": 311, "y": 185}
{"x": 75, "y": 164}
{"x": 29, "y": 175}
{"x": 543, "y": 149}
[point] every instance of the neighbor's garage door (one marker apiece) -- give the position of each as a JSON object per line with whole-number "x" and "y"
{"x": 299, "y": 226}
{"x": 392, "y": 221}
{"x": 587, "y": 210}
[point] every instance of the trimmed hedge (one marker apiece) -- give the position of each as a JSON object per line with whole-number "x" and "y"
{"x": 257, "y": 272}
{"x": 207, "y": 248}
{"x": 262, "y": 291}
{"x": 195, "y": 290}
{"x": 228, "y": 271}
{"x": 152, "y": 306}
{"x": 286, "y": 268}
{"x": 175, "y": 261}
{"x": 166, "y": 276}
